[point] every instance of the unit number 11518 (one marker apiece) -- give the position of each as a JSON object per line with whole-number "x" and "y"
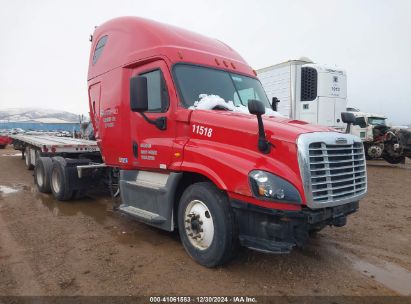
{"x": 201, "y": 130}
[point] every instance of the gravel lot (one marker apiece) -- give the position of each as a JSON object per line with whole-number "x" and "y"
{"x": 83, "y": 248}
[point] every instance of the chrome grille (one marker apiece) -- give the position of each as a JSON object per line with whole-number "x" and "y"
{"x": 337, "y": 171}
{"x": 333, "y": 173}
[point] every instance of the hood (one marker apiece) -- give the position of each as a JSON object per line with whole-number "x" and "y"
{"x": 235, "y": 124}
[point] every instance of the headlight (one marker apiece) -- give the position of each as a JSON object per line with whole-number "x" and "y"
{"x": 268, "y": 186}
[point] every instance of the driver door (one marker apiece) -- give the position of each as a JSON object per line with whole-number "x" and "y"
{"x": 152, "y": 147}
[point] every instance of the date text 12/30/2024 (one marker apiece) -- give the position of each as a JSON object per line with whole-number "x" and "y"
{"x": 205, "y": 299}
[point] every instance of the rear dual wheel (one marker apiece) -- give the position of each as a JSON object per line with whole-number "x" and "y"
{"x": 42, "y": 172}
{"x": 59, "y": 181}
{"x": 207, "y": 225}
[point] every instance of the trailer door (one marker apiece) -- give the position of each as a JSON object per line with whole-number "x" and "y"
{"x": 332, "y": 100}
{"x": 326, "y": 111}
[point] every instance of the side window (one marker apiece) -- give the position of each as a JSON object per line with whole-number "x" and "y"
{"x": 156, "y": 91}
{"x": 99, "y": 48}
{"x": 360, "y": 121}
{"x": 245, "y": 95}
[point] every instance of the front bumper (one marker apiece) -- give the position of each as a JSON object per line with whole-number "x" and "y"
{"x": 278, "y": 231}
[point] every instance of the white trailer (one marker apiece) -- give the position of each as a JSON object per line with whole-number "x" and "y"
{"x": 307, "y": 91}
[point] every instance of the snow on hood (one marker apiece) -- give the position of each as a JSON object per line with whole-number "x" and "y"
{"x": 209, "y": 102}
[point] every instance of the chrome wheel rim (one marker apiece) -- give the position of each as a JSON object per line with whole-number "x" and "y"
{"x": 199, "y": 226}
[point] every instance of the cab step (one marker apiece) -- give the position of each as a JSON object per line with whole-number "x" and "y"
{"x": 141, "y": 214}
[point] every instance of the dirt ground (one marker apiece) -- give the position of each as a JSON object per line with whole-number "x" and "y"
{"x": 83, "y": 248}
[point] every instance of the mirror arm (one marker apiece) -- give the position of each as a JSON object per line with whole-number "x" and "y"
{"x": 263, "y": 144}
{"x": 348, "y": 129}
{"x": 160, "y": 123}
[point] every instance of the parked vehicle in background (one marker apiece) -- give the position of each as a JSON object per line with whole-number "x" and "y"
{"x": 379, "y": 139}
{"x": 187, "y": 140}
{"x": 4, "y": 140}
{"x": 307, "y": 91}
{"x": 365, "y": 124}
{"x": 351, "y": 109}
{"x": 17, "y": 131}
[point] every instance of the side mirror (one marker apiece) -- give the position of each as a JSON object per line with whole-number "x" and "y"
{"x": 348, "y": 118}
{"x": 274, "y": 103}
{"x": 138, "y": 94}
{"x": 256, "y": 107}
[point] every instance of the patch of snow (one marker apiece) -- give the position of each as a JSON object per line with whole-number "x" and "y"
{"x": 7, "y": 190}
{"x": 209, "y": 102}
{"x": 50, "y": 120}
{"x": 31, "y": 114}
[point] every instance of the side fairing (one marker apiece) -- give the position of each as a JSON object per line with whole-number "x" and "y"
{"x": 110, "y": 114}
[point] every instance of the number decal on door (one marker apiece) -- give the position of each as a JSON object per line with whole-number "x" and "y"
{"x": 201, "y": 130}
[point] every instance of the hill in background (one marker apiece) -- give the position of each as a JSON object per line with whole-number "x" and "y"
{"x": 37, "y": 115}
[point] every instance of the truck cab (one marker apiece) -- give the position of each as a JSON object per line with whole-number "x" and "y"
{"x": 365, "y": 124}
{"x": 229, "y": 172}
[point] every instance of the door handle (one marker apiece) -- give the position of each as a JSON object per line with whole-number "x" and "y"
{"x": 135, "y": 149}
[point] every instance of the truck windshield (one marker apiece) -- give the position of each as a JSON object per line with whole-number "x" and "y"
{"x": 376, "y": 121}
{"x": 193, "y": 81}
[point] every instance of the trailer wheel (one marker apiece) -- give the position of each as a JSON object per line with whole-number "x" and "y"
{"x": 207, "y": 225}
{"x": 42, "y": 172}
{"x": 29, "y": 166}
{"x": 60, "y": 186}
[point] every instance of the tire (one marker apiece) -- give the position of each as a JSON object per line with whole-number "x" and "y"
{"x": 59, "y": 181}
{"x": 42, "y": 173}
{"x": 393, "y": 159}
{"x": 3, "y": 146}
{"x": 367, "y": 157}
{"x": 29, "y": 166}
{"x": 207, "y": 205}
{"x": 79, "y": 194}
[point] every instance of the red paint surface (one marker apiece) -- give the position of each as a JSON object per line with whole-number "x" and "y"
{"x": 5, "y": 140}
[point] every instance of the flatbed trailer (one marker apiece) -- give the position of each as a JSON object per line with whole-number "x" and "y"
{"x": 34, "y": 146}
{"x": 67, "y": 167}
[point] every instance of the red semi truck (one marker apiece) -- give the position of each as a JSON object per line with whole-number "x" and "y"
{"x": 221, "y": 176}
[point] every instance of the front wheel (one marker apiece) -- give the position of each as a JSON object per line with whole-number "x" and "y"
{"x": 393, "y": 159}
{"x": 207, "y": 225}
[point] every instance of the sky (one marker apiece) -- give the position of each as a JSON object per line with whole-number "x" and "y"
{"x": 45, "y": 46}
